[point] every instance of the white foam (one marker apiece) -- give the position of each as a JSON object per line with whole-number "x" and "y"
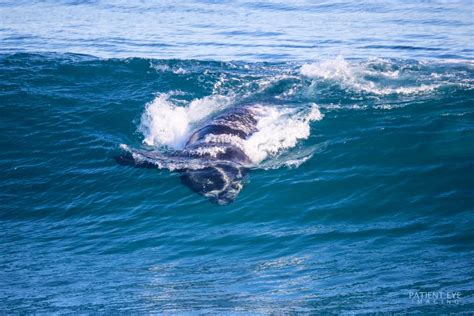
{"x": 225, "y": 139}
{"x": 352, "y": 76}
{"x": 166, "y": 68}
{"x": 295, "y": 163}
{"x": 409, "y": 90}
{"x": 338, "y": 69}
{"x": 212, "y": 151}
{"x": 279, "y": 129}
{"x": 165, "y": 123}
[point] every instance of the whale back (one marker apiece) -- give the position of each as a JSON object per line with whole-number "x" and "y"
{"x": 213, "y": 162}
{"x": 221, "y": 139}
{"x": 240, "y": 122}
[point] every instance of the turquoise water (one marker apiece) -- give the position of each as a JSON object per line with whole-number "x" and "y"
{"x": 361, "y": 189}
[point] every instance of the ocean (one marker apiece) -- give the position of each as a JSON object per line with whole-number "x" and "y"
{"x": 359, "y": 197}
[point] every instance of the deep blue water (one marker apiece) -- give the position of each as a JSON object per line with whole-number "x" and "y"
{"x": 361, "y": 193}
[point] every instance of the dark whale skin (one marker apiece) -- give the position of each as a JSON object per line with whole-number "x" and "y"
{"x": 220, "y": 175}
{"x": 221, "y": 182}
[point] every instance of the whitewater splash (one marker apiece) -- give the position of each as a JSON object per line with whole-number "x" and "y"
{"x": 367, "y": 77}
{"x": 165, "y": 123}
{"x": 168, "y": 125}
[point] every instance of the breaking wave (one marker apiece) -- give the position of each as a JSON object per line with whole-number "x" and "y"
{"x": 167, "y": 125}
{"x": 287, "y": 99}
{"x": 383, "y": 77}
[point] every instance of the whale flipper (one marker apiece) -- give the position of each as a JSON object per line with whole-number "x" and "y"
{"x": 154, "y": 159}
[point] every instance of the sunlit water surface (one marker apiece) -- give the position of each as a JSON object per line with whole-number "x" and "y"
{"x": 362, "y": 190}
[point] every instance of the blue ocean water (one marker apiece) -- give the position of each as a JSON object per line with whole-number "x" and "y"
{"x": 360, "y": 199}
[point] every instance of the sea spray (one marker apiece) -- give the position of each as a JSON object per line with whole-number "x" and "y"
{"x": 166, "y": 124}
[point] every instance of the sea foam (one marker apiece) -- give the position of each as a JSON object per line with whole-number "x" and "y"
{"x": 167, "y": 124}
{"x": 359, "y": 76}
{"x": 279, "y": 129}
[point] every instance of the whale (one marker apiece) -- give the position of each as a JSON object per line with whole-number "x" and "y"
{"x": 212, "y": 162}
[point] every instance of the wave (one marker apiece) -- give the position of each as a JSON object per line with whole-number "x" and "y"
{"x": 287, "y": 98}
{"x": 379, "y": 77}
{"x": 168, "y": 99}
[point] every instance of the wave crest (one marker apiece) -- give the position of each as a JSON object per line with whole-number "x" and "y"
{"x": 379, "y": 76}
